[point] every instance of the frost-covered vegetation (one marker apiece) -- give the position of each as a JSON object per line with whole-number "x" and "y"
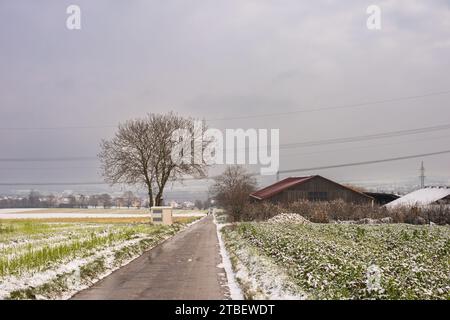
{"x": 54, "y": 260}
{"x": 341, "y": 261}
{"x": 339, "y": 210}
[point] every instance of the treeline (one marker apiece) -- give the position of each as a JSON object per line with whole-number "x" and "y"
{"x": 36, "y": 200}
{"x": 340, "y": 211}
{"x": 199, "y": 204}
{"x": 231, "y": 190}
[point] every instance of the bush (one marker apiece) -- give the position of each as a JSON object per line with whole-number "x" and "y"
{"x": 323, "y": 212}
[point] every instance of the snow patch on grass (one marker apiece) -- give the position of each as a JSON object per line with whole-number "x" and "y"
{"x": 259, "y": 277}
{"x": 235, "y": 291}
{"x": 62, "y": 279}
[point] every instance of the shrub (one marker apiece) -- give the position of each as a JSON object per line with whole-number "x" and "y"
{"x": 338, "y": 210}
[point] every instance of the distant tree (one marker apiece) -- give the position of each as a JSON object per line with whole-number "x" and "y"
{"x": 34, "y": 199}
{"x": 119, "y": 202}
{"x": 106, "y": 200}
{"x": 232, "y": 188}
{"x": 141, "y": 152}
{"x": 207, "y": 204}
{"x": 94, "y": 201}
{"x": 129, "y": 198}
{"x": 198, "y": 204}
{"x": 83, "y": 201}
{"x": 73, "y": 203}
{"x": 138, "y": 202}
{"x": 51, "y": 201}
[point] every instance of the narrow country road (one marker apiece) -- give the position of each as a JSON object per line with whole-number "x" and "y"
{"x": 183, "y": 267}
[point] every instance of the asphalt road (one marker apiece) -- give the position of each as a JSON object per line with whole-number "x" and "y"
{"x": 183, "y": 267}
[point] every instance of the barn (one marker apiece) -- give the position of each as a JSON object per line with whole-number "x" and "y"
{"x": 423, "y": 197}
{"x": 382, "y": 198}
{"x": 313, "y": 188}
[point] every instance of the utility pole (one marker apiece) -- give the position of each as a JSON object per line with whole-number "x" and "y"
{"x": 422, "y": 176}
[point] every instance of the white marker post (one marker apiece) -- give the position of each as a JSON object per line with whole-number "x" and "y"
{"x": 162, "y": 215}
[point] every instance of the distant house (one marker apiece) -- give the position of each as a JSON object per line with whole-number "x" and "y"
{"x": 313, "y": 188}
{"x": 423, "y": 197}
{"x": 188, "y": 205}
{"x": 174, "y": 204}
{"x": 382, "y": 198}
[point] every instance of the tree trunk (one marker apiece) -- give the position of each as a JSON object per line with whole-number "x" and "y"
{"x": 158, "y": 199}
{"x": 150, "y": 197}
{"x": 159, "y": 195}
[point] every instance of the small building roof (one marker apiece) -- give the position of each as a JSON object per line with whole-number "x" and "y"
{"x": 286, "y": 183}
{"x": 277, "y": 187}
{"x": 421, "y": 197}
{"x": 382, "y": 197}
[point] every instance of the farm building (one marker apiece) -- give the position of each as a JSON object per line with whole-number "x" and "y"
{"x": 313, "y": 188}
{"x": 423, "y": 197}
{"x": 382, "y": 198}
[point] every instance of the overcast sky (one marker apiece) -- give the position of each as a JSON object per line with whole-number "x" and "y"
{"x": 224, "y": 59}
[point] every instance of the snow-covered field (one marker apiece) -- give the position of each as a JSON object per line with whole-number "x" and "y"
{"x": 235, "y": 291}
{"x": 87, "y": 213}
{"x": 17, "y": 210}
{"x": 332, "y": 261}
{"x": 55, "y": 260}
{"x": 258, "y": 278}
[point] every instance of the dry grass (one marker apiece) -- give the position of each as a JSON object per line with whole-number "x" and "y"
{"x": 107, "y": 220}
{"x": 104, "y": 211}
{"x": 324, "y": 212}
{"x": 81, "y": 210}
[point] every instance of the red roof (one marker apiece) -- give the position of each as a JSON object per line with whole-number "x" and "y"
{"x": 279, "y": 186}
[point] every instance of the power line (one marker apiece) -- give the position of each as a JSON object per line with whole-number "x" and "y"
{"x": 350, "y": 164}
{"x": 47, "y": 159}
{"x": 48, "y": 168}
{"x": 353, "y": 164}
{"x": 263, "y": 115}
{"x": 52, "y": 183}
{"x": 58, "y": 128}
{"x": 376, "y": 136}
{"x": 367, "y": 146}
{"x": 289, "y": 155}
{"x": 383, "y": 135}
{"x": 337, "y": 107}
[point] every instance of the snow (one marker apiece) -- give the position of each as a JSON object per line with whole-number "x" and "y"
{"x": 70, "y": 265}
{"x": 17, "y": 210}
{"x": 420, "y": 197}
{"x": 39, "y": 214}
{"x": 260, "y": 277}
{"x": 288, "y": 218}
{"x": 264, "y": 278}
{"x": 235, "y": 291}
{"x": 12, "y": 283}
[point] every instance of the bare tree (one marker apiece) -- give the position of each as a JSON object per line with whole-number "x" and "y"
{"x": 142, "y": 152}
{"x": 232, "y": 188}
{"x": 94, "y": 200}
{"x": 127, "y": 158}
{"x": 198, "y": 204}
{"x": 73, "y": 203}
{"x": 129, "y": 198}
{"x": 34, "y": 199}
{"x": 119, "y": 202}
{"x": 106, "y": 200}
{"x": 83, "y": 201}
{"x": 51, "y": 201}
